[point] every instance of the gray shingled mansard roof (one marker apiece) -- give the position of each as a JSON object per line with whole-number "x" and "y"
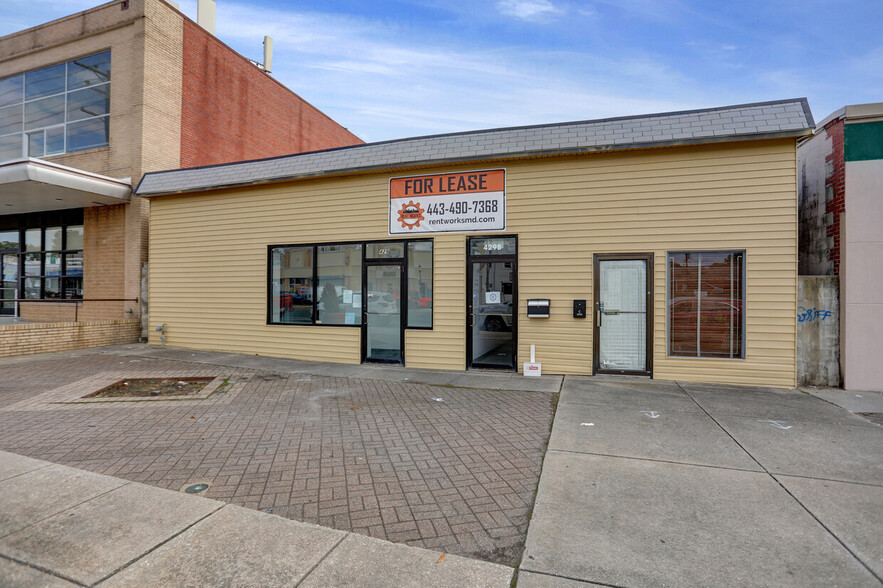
{"x": 784, "y": 118}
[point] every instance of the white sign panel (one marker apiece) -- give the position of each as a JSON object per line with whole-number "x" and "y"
{"x": 445, "y": 203}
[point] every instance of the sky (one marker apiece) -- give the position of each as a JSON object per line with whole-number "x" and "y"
{"x": 389, "y": 69}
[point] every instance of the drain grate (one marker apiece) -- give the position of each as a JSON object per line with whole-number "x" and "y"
{"x": 196, "y": 488}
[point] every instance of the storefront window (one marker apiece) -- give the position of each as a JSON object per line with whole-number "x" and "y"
{"x": 335, "y": 296}
{"x": 420, "y": 284}
{"x": 74, "y": 235}
{"x": 9, "y": 240}
{"x": 32, "y": 240}
{"x": 292, "y": 285}
{"x": 340, "y": 285}
{"x": 49, "y": 255}
{"x": 706, "y": 295}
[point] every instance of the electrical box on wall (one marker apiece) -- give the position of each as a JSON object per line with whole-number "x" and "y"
{"x": 538, "y": 307}
{"x": 579, "y": 309}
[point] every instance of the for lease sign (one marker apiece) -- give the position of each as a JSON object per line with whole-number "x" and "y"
{"x": 444, "y": 203}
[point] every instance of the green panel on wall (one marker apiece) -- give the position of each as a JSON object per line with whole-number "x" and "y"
{"x": 863, "y": 141}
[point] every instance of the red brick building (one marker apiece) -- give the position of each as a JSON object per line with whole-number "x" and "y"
{"x": 88, "y": 104}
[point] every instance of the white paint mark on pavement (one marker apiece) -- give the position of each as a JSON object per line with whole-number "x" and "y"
{"x": 778, "y": 424}
{"x": 651, "y": 413}
{"x": 587, "y": 424}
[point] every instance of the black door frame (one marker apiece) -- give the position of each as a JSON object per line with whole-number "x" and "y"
{"x": 597, "y": 317}
{"x": 18, "y": 284}
{"x": 402, "y": 306}
{"x": 470, "y": 316}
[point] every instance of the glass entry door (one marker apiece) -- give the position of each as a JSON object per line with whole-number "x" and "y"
{"x": 622, "y": 317}
{"x": 491, "y": 306}
{"x": 383, "y": 338}
{"x": 8, "y": 282}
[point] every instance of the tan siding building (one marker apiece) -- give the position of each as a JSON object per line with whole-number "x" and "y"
{"x": 643, "y": 213}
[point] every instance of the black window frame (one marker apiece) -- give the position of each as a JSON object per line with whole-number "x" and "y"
{"x": 364, "y": 258}
{"x": 41, "y": 221}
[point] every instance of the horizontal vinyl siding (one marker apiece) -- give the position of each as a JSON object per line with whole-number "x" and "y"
{"x": 208, "y": 254}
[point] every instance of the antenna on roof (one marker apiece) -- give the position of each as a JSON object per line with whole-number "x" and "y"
{"x": 268, "y": 54}
{"x": 267, "y": 65}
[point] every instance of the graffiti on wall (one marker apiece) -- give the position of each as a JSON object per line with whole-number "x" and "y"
{"x": 811, "y": 315}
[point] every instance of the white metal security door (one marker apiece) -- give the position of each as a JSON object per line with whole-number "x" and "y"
{"x": 622, "y": 299}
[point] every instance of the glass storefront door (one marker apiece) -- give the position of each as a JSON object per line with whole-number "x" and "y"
{"x": 622, "y": 300}
{"x": 491, "y": 303}
{"x": 382, "y": 333}
{"x": 8, "y": 282}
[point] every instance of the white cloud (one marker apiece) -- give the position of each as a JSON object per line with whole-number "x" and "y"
{"x": 528, "y": 9}
{"x": 384, "y": 81}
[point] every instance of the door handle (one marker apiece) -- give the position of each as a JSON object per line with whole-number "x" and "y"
{"x": 600, "y": 313}
{"x": 473, "y": 320}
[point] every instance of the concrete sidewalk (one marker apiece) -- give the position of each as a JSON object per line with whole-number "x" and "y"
{"x": 654, "y": 483}
{"x": 60, "y": 526}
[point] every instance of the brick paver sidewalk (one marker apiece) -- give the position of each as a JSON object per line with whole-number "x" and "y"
{"x": 451, "y": 469}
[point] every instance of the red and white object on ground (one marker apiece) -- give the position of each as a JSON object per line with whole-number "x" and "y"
{"x": 532, "y": 368}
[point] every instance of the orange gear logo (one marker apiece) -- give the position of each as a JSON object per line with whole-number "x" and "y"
{"x": 410, "y": 215}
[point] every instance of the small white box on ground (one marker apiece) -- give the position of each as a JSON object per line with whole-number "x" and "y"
{"x": 533, "y": 369}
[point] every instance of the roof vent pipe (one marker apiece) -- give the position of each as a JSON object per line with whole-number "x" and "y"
{"x": 268, "y": 54}
{"x": 205, "y": 15}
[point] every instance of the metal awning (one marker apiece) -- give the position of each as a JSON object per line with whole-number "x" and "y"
{"x": 33, "y": 185}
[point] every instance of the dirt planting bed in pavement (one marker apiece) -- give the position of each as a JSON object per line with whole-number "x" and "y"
{"x": 446, "y": 468}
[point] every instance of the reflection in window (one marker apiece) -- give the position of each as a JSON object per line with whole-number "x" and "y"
{"x": 419, "y": 284}
{"x": 340, "y": 285}
{"x": 50, "y": 259}
{"x": 291, "y": 281}
{"x": 74, "y": 236}
{"x": 88, "y": 71}
{"x": 57, "y": 109}
{"x": 10, "y": 119}
{"x": 336, "y": 296}
{"x": 706, "y": 294}
{"x": 10, "y": 147}
{"x": 52, "y": 237}
{"x": 87, "y": 134}
{"x": 45, "y": 82}
{"x": 11, "y": 90}
{"x": 32, "y": 240}
{"x": 44, "y": 113}
{"x": 32, "y": 288}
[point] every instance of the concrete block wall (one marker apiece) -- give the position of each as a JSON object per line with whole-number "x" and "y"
{"x": 818, "y": 331}
{"x": 29, "y": 338}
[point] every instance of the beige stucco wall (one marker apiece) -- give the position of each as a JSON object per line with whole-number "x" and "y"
{"x": 861, "y": 279}
{"x": 208, "y": 279}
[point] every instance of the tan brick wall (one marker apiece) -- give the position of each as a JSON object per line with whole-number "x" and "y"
{"x": 146, "y": 44}
{"x": 93, "y": 31}
{"x": 25, "y": 339}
